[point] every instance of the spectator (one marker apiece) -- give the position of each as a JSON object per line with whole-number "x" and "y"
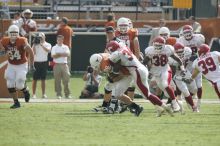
{"x": 93, "y": 80}
{"x": 196, "y": 25}
{"x": 60, "y": 52}
{"x": 67, "y": 32}
{"x": 28, "y": 23}
{"x": 110, "y": 20}
{"x": 155, "y": 31}
{"x": 17, "y": 20}
{"x": 41, "y": 49}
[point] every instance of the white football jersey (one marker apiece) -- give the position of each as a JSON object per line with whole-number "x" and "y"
{"x": 194, "y": 43}
{"x": 127, "y": 59}
{"x": 209, "y": 66}
{"x": 184, "y": 58}
{"x": 159, "y": 59}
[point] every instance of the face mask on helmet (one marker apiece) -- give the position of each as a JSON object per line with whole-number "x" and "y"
{"x": 158, "y": 43}
{"x": 123, "y": 25}
{"x": 95, "y": 61}
{"x": 187, "y": 34}
{"x": 13, "y": 32}
{"x": 179, "y": 49}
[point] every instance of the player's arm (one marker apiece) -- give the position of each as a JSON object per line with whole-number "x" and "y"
{"x": 136, "y": 48}
{"x": 176, "y": 57}
{"x": 195, "y": 73}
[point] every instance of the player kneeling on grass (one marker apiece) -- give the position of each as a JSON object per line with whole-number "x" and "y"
{"x": 16, "y": 48}
{"x": 119, "y": 81}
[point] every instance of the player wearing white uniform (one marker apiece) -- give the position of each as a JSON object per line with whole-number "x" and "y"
{"x": 193, "y": 41}
{"x": 156, "y": 57}
{"x": 122, "y": 57}
{"x": 208, "y": 65}
{"x": 119, "y": 82}
{"x": 186, "y": 89}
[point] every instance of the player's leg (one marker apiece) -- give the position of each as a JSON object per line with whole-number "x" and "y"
{"x": 141, "y": 77}
{"x": 120, "y": 88}
{"x": 10, "y": 80}
{"x": 198, "y": 81}
{"x": 164, "y": 84}
{"x": 217, "y": 88}
{"x": 183, "y": 88}
{"x": 21, "y": 72}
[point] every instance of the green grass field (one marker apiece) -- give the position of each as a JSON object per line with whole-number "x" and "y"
{"x": 70, "y": 124}
{"x": 77, "y": 84}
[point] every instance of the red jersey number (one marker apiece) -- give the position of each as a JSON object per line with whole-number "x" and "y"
{"x": 160, "y": 60}
{"x": 207, "y": 65}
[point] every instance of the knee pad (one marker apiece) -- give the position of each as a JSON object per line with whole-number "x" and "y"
{"x": 20, "y": 84}
{"x": 131, "y": 89}
{"x": 11, "y": 90}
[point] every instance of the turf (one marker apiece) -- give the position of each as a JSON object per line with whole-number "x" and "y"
{"x": 72, "y": 124}
{"x": 77, "y": 84}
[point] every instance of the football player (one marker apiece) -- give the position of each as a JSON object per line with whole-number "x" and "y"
{"x": 186, "y": 89}
{"x": 120, "y": 57}
{"x": 119, "y": 82}
{"x": 156, "y": 57}
{"x": 165, "y": 33}
{"x": 16, "y": 48}
{"x": 129, "y": 35}
{"x": 208, "y": 64}
{"x": 193, "y": 41}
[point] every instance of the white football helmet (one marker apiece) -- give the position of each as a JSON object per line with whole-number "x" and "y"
{"x": 123, "y": 25}
{"x": 13, "y": 32}
{"x": 95, "y": 61}
{"x": 164, "y": 32}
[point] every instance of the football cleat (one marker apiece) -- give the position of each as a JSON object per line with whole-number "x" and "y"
{"x": 175, "y": 106}
{"x": 15, "y": 105}
{"x": 168, "y": 109}
{"x": 138, "y": 111}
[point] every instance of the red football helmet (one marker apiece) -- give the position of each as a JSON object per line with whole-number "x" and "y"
{"x": 112, "y": 46}
{"x": 187, "y": 32}
{"x": 203, "y": 49}
{"x": 179, "y": 49}
{"x": 159, "y": 43}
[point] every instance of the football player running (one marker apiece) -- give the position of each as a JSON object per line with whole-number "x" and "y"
{"x": 156, "y": 57}
{"x": 16, "y": 48}
{"x": 208, "y": 64}
{"x": 187, "y": 89}
{"x": 118, "y": 82}
{"x": 193, "y": 41}
{"x": 120, "y": 57}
